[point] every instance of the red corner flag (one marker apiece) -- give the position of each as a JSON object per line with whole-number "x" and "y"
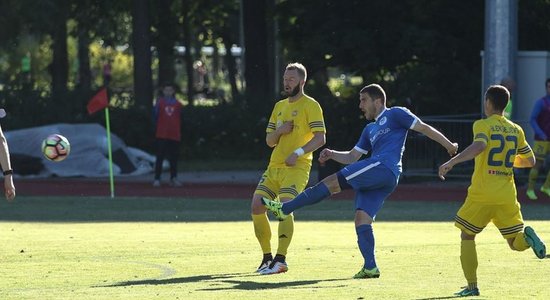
{"x": 98, "y": 102}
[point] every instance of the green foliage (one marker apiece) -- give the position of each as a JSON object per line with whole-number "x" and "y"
{"x": 223, "y": 131}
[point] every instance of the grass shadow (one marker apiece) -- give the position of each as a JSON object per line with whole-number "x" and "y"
{"x": 223, "y": 278}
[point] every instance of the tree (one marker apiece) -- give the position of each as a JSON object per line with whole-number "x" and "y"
{"x": 141, "y": 38}
{"x": 256, "y": 56}
{"x": 165, "y": 37}
{"x": 59, "y": 68}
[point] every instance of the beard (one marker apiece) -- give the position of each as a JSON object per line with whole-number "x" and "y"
{"x": 293, "y": 92}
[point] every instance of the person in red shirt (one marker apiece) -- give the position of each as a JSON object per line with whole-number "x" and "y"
{"x": 167, "y": 116}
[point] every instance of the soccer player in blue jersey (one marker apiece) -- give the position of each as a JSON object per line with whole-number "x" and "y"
{"x": 374, "y": 178}
{"x": 498, "y": 146}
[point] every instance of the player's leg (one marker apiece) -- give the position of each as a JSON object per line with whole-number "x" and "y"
{"x": 160, "y": 153}
{"x": 540, "y": 149}
{"x": 372, "y": 187}
{"x": 329, "y": 185}
{"x": 332, "y": 184}
{"x": 368, "y": 203}
{"x": 266, "y": 188}
{"x": 173, "y": 154}
{"x": 471, "y": 219}
{"x": 545, "y": 188}
{"x": 293, "y": 181}
{"x": 509, "y": 221}
{"x": 468, "y": 260}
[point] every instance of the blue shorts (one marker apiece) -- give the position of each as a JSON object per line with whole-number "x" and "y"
{"x": 373, "y": 183}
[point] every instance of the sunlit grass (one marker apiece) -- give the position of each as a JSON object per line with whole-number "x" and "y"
{"x": 211, "y": 257}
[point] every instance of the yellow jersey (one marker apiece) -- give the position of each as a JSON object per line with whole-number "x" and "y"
{"x": 493, "y": 178}
{"x": 308, "y": 118}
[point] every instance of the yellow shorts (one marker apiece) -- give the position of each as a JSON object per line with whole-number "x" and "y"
{"x": 541, "y": 149}
{"x": 472, "y": 218}
{"x": 282, "y": 183}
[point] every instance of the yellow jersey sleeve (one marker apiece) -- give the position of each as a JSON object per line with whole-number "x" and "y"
{"x": 524, "y": 150}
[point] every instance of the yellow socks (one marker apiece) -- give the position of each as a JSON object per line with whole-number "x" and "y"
{"x": 520, "y": 244}
{"x": 286, "y": 230}
{"x": 468, "y": 259}
{"x": 262, "y": 231}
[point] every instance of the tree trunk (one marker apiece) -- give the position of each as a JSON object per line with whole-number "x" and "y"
{"x": 59, "y": 67}
{"x": 256, "y": 57}
{"x": 84, "y": 71}
{"x": 188, "y": 43}
{"x": 231, "y": 69}
{"x": 166, "y": 39}
{"x": 143, "y": 82}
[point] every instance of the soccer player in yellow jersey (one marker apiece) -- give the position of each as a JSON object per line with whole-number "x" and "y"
{"x": 295, "y": 129}
{"x": 498, "y": 146}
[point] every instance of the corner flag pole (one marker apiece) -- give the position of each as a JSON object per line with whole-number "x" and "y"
{"x": 108, "y": 127}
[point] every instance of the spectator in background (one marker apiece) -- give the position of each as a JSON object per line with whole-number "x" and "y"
{"x": 540, "y": 121}
{"x": 200, "y": 78}
{"x": 167, "y": 117}
{"x": 5, "y": 162}
{"x": 510, "y": 85}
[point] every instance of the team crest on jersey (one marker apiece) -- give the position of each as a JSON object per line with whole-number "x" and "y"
{"x": 383, "y": 121}
{"x": 295, "y": 113}
{"x": 169, "y": 110}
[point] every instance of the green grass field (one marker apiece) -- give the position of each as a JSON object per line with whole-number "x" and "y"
{"x": 159, "y": 248}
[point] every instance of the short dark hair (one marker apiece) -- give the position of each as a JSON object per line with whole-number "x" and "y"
{"x": 299, "y": 68}
{"x": 498, "y": 95}
{"x": 375, "y": 91}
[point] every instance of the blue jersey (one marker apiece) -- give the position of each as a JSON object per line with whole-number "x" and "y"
{"x": 385, "y": 137}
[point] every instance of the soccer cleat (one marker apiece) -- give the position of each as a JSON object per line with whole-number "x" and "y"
{"x": 466, "y": 292}
{"x": 174, "y": 182}
{"x": 275, "y": 267}
{"x": 275, "y": 207}
{"x": 534, "y": 241}
{"x": 366, "y": 273}
{"x": 265, "y": 263}
{"x": 545, "y": 190}
{"x": 156, "y": 183}
{"x": 531, "y": 195}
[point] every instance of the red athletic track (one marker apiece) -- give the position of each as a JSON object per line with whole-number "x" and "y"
{"x": 123, "y": 188}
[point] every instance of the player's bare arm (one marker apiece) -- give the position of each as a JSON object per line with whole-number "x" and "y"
{"x": 9, "y": 188}
{"x": 272, "y": 138}
{"x": 434, "y": 134}
{"x": 318, "y": 140}
{"x": 343, "y": 157}
{"x": 468, "y": 154}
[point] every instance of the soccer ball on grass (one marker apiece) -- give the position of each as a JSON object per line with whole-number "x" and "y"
{"x": 56, "y": 147}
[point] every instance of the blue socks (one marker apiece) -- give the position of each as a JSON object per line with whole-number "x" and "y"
{"x": 365, "y": 240}
{"x": 310, "y": 196}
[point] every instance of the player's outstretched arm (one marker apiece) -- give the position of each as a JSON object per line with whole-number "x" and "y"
{"x": 469, "y": 153}
{"x": 434, "y": 134}
{"x": 9, "y": 188}
{"x": 343, "y": 157}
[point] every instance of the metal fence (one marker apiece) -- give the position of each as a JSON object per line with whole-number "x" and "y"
{"x": 423, "y": 156}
